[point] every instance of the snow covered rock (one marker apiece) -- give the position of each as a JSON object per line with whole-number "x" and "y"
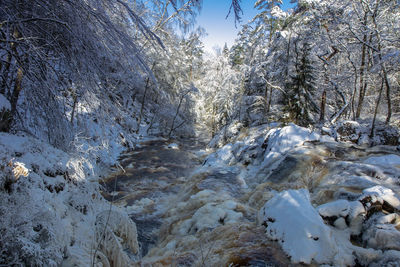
{"x": 343, "y": 214}
{"x": 389, "y": 199}
{"x": 281, "y": 140}
{"x": 389, "y": 258}
{"x": 290, "y": 219}
{"x": 213, "y": 215}
{"x": 49, "y": 216}
{"x": 358, "y": 132}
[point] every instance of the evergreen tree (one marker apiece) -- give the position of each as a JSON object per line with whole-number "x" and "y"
{"x": 300, "y": 90}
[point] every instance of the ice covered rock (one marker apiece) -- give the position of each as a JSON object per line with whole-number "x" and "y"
{"x": 173, "y": 146}
{"x": 212, "y": 215}
{"x": 381, "y": 233}
{"x": 290, "y": 219}
{"x": 389, "y": 258}
{"x": 343, "y": 214}
{"x": 222, "y": 156}
{"x": 386, "y": 160}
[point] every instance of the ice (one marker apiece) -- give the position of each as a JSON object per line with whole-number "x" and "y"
{"x": 387, "y": 160}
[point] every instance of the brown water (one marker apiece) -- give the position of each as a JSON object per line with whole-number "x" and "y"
{"x": 153, "y": 174}
{"x": 157, "y": 178}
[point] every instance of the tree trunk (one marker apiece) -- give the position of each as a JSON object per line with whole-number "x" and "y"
{"x": 75, "y": 97}
{"x": 383, "y": 68}
{"x": 142, "y": 104}
{"x": 389, "y": 101}
{"x": 5, "y": 72}
{"x": 376, "y": 110}
{"x": 362, "y": 86}
{"x": 266, "y": 99}
{"x": 15, "y": 94}
{"x": 270, "y": 99}
{"x": 176, "y": 114}
{"x": 323, "y": 104}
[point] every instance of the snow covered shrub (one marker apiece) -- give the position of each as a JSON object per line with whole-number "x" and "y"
{"x": 11, "y": 173}
{"x": 28, "y": 234}
{"x": 49, "y": 217}
{"x": 359, "y": 132}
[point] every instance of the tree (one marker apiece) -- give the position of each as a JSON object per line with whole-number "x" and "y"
{"x": 300, "y": 90}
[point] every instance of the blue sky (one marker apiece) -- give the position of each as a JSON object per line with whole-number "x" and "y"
{"x": 219, "y": 29}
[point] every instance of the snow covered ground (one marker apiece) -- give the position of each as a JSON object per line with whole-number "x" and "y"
{"x": 51, "y": 212}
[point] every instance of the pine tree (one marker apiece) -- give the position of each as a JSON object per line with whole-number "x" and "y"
{"x": 300, "y": 90}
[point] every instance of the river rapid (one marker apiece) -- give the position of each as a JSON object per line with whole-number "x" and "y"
{"x": 199, "y": 207}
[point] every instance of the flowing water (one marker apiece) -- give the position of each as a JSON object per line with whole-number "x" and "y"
{"x": 152, "y": 175}
{"x": 157, "y": 185}
{"x": 188, "y": 214}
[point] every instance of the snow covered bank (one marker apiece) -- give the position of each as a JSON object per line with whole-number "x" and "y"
{"x": 50, "y": 212}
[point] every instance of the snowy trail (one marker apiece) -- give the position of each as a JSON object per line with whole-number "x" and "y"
{"x": 154, "y": 173}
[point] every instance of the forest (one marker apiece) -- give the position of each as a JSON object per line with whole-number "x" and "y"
{"x": 125, "y": 143}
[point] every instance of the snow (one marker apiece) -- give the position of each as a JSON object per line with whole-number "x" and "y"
{"x": 278, "y": 13}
